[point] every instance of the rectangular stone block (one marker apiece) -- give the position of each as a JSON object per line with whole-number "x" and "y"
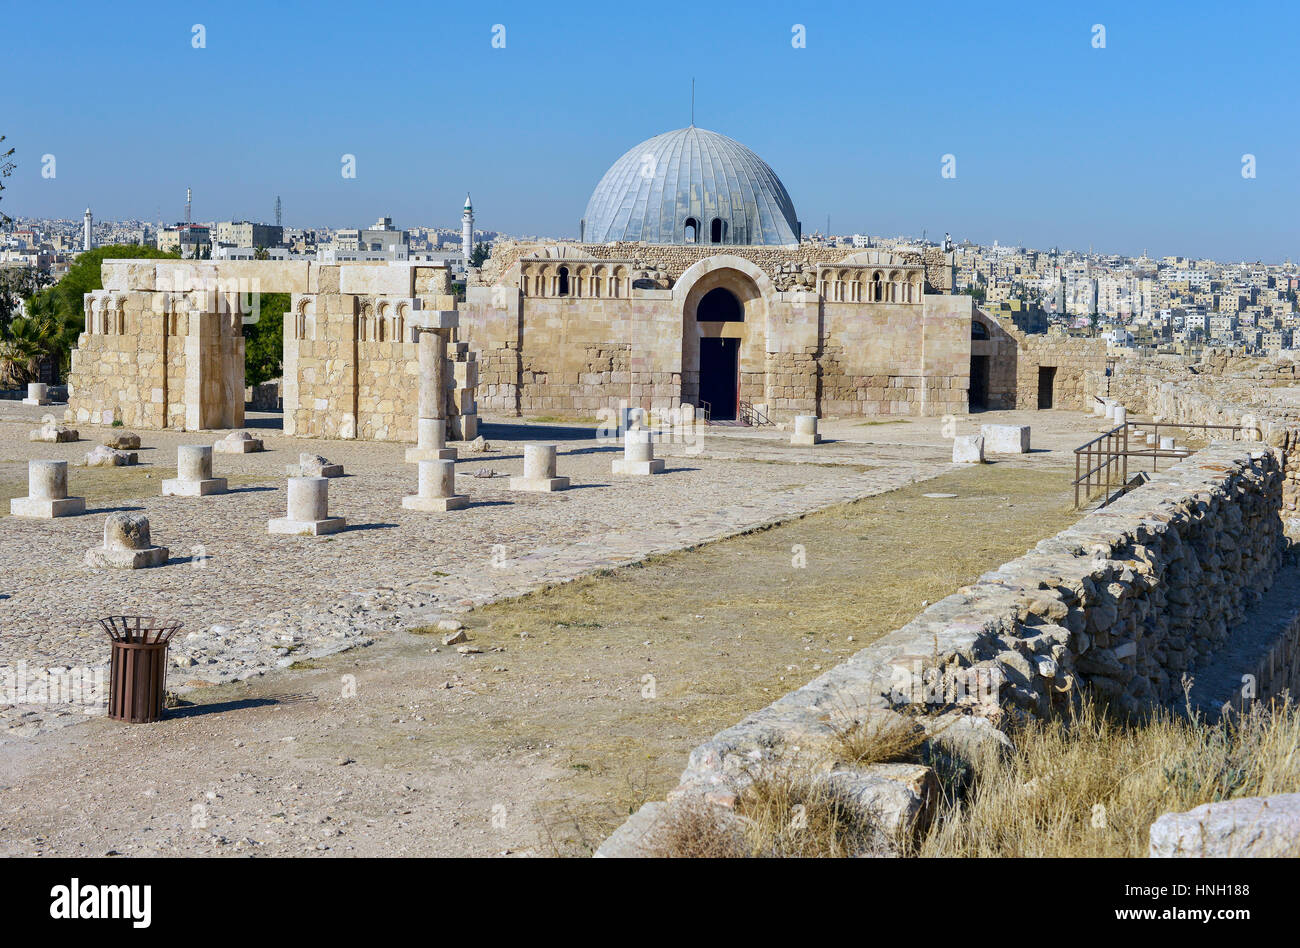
{"x": 175, "y": 487}
{"x": 622, "y": 466}
{"x": 968, "y": 449}
{"x": 540, "y": 484}
{"x": 436, "y": 504}
{"x": 44, "y": 508}
{"x": 306, "y": 528}
{"x": 1005, "y": 439}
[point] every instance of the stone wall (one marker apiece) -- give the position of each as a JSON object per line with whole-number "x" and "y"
{"x": 1125, "y": 603}
{"x": 164, "y": 346}
{"x": 641, "y": 341}
{"x": 153, "y": 361}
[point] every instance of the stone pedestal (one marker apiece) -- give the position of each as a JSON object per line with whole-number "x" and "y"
{"x": 313, "y": 465}
{"x": 805, "y": 431}
{"x": 238, "y": 442}
{"x": 127, "y": 544}
{"x": 638, "y": 454}
{"x": 968, "y": 449}
{"x": 1005, "y": 439}
{"x": 47, "y": 493}
{"x": 539, "y": 470}
{"x": 193, "y": 473}
{"x": 308, "y": 510}
{"x": 38, "y": 393}
{"x": 1167, "y": 444}
{"x": 437, "y": 490}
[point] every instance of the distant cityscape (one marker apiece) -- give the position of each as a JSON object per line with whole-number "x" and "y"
{"x": 1160, "y": 305}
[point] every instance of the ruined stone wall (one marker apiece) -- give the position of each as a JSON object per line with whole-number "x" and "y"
{"x": 1125, "y": 603}
{"x": 154, "y": 362}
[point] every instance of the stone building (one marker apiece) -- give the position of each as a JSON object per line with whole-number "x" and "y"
{"x": 692, "y": 286}
{"x": 698, "y": 291}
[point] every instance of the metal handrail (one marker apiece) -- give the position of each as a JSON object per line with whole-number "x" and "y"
{"x": 1111, "y": 451}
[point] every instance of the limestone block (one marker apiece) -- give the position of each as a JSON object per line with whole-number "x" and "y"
{"x": 437, "y": 489}
{"x": 539, "y": 470}
{"x": 52, "y": 433}
{"x": 1253, "y": 826}
{"x": 238, "y": 442}
{"x": 1005, "y": 439}
{"x": 104, "y": 456}
{"x": 37, "y": 394}
{"x": 426, "y": 319}
{"x": 313, "y": 465}
{"x": 122, "y": 440}
{"x": 638, "y": 454}
{"x": 127, "y": 544}
{"x": 968, "y": 449}
{"x": 47, "y": 493}
{"x": 193, "y": 473}
{"x": 308, "y": 510}
{"x": 805, "y": 431}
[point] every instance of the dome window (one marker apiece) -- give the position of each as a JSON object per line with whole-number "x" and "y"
{"x": 692, "y": 230}
{"x": 715, "y": 230}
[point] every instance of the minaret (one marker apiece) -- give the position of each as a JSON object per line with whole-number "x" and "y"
{"x": 86, "y": 240}
{"x": 467, "y": 230}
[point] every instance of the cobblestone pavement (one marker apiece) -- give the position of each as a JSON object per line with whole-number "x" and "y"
{"x": 251, "y": 602}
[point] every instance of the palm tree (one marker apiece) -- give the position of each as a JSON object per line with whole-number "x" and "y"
{"x": 29, "y": 341}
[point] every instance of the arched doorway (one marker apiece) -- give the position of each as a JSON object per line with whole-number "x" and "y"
{"x": 720, "y": 355}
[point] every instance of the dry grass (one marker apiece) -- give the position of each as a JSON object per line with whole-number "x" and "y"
{"x": 1092, "y": 786}
{"x": 878, "y": 739}
{"x": 784, "y": 813}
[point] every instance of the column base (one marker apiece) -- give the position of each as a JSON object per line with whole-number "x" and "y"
{"x": 415, "y": 455}
{"x": 543, "y": 484}
{"x": 175, "y": 487}
{"x": 126, "y": 559}
{"x": 436, "y": 504}
{"x": 44, "y": 508}
{"x": 805, "y": 440}
{"x": 306, "y": 528}
{"x": 622, "y": 466}
{"x": 37, "y": 401}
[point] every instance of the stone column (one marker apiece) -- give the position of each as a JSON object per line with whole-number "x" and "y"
{"x": 539, "y": 470}
{"x": 193, "y": 473}
{"x": 47, "y": 493}
{"x": 431, "y": 329}
{"x": 437, "y": 489}
{"x": 638, "y": 454}
{"x": 308, "y": 510}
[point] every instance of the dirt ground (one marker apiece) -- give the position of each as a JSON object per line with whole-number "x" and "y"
{"x": 582, "y": 701}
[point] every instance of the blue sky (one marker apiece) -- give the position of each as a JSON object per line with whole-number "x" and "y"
{"x": 1135, "y": 146}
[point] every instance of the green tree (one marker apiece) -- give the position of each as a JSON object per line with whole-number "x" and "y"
{"x": 29, "y": 341}
{"x": 264, "y": 339}
{"x": 479, "y": 254}
{"x": 17, "y": 284}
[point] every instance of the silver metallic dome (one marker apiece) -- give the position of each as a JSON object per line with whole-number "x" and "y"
{"x": 691, "y": 186}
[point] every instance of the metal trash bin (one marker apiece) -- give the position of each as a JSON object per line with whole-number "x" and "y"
{"x": 138, "y": 666}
